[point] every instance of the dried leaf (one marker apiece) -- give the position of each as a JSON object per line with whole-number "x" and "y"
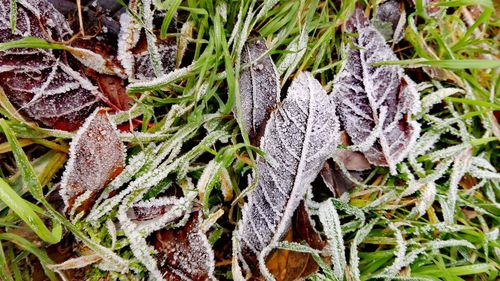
{"x": 376, "y": 102}
{"x": 39, "y": 81}
{"x": 291, "y": 265}
{"x": 352, "y": 160}
{"x": 259, "y": 88}
{"x": 300, "y": 135}
{"x": 335, "y": 179}
{"x": 184, "y": 254}
{"x": 96, "y": 157}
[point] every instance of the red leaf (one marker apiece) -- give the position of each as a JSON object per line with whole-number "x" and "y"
{"x": 96, "y": 157}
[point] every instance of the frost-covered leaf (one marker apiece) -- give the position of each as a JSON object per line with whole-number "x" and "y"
{"x": 259, "y": 88}
{"x": 96, "y": 157}
{"x": 40, "y": 81}
{"x": 299, "y": 136}
{"x": 375, "y": 103}
{"x": 184, "y": 253}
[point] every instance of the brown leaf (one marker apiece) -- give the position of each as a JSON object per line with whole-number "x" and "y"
{"x": 96, "y": 157}
{"x": 184, "y": 254}
{"x": 352, "y": 160}
{"x": 40, "y": 82}
{"x": 335, "y": 179}
{"x": 286, "y": 265}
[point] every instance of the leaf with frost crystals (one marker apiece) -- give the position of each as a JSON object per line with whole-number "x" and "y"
{"x": 185, "y": 253}
{"x": 39, "y": 81}
{"x": 299, "y": 136}
{"x": 259, "y": 88}
{"x": 375, "y": 103}
{"x": 96, "y": 157}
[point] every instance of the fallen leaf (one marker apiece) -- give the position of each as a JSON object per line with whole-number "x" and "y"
{"x": 39, "y": 81}
{"x": 259, "y": 88}
{"x": 96, "y": 157}
{"x": 287, "y": 265}
{"x": 390, "y": 14}
{"x": 299, "y": 136}
{"x": 335, "y": 179}
{"x": 352, "y": 160}
{"x": 375, "y": 103}
{"x": 184, "y": 253}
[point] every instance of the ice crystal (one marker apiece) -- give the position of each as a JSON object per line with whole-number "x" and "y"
{"x": 331, "y": 223}
{"x": 36, "y": 80}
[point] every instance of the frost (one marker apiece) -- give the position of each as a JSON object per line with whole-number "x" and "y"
{"x": 259, "y": 88}
{"x": 428, "y": 196}
{"x": 358, "y": 239}
{"x": 375, "y": 103}
{"x": 79, "y": 262}
{"x": 438, "y": 96}
{"x": 296, "y": 50}
{"x": 94, "y": 61}
{"x": 460, "y": 166}
{"x": 36, "y": 80}
{"x": 300, "y": 135}
{"x": 400, "y": 252}
{"x": 128, "y": 38}
{"x": 207, "y": 177}
{"x": 391, "y": 14}
{"x": 160, "y": 81}
{"x": 96, "y": 157}
{"x": 185, "y": 253}
{"x": 144, "y": 60}
{"x": 331, "y": 223}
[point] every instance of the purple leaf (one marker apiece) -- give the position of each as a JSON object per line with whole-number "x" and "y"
{"x": 375, "y": 103}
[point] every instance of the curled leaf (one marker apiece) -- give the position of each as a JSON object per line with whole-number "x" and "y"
{"x": 96, "y": 157}
{"x": 259, "y": 88}
{"x": 300, "y": 135}
{"x": 375, "y": 103}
